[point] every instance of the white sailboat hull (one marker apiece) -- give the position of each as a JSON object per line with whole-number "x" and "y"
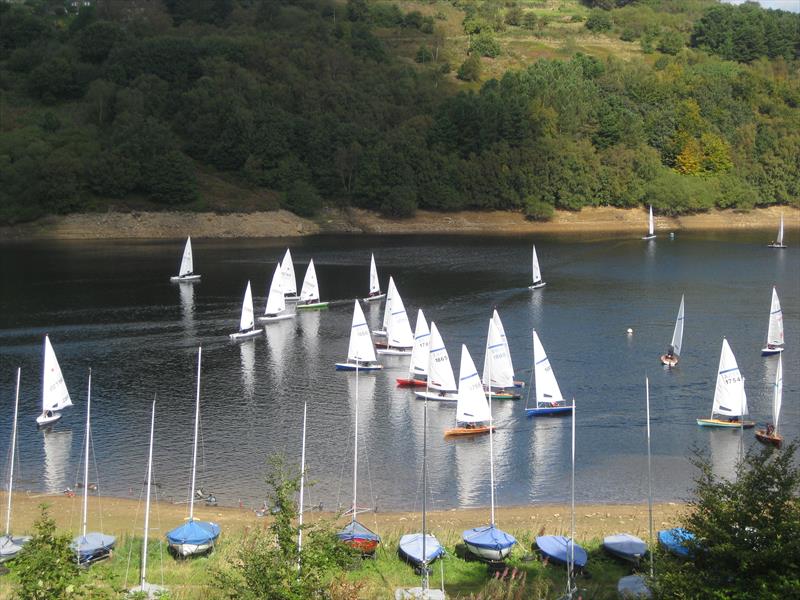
{"x": 245, "y": 335}
{"x": 537, "y": 285}
{"x": 270, "y": 318}
{"x": 184, "y": 278}
{"x": 291, "y": 297}
{"x": 767, "y": 351}
{"x": 437, "y": 396}
{"x": 394, "y": 351}
{"x": 489, "y": 553}
{"x": 43, "y": 419}
{"x": 379, "y": 332}
{"x": 375, "y": 297}
{"x": 184, "y": 550}
{"x": 649, "y": 237}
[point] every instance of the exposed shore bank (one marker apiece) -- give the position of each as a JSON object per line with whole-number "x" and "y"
{"x": 280, "y": 223}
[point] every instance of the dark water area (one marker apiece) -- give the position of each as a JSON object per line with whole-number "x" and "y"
{"x": 110, "y": 306}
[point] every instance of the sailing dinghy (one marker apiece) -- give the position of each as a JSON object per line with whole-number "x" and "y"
{"x": 246, "y": 323}
{"x": 289, "y": 280}
{"x": 778, "y": 243}
{"x": 502, "y": 385}
{"x": 360, "y": 352}
{"x": 418, "y": 365}
{"x": 730, "y": 400}
{"x": 94, "y": 546}
{"x": 549, "y": 400}
{"x": 672, "y": 355}
{"x": 399, "y": 338}
{"x": 651, "y": 226}
{"x": 194, "y": 538}
{"x": 186, "y": 271}
{"x": 473, "y": 415}
{"x": 774, "y": 343}
{"x": 55, "y": 396}
{"x": 562, "y": 550}
{"x": 676, "y": 541}
{"x": 387, "y": 309}
{"x": 441, "y": 383}
{"x": 537, "y": 273}
{"x": 276, "y": 302}
{"x": 309, "y": 293}
{"x": 770, "y": 434}
{"x": 625, "y": 546}
{"x": 374, "y": 283}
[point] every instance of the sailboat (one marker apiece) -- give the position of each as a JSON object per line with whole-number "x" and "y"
{"x": 186, "y": 270}
{"x": 502, "y": 386}
{"x": 149, "y": 590}
{"x": 55, "y": 396}
{"x": 778, "y": 243}
{"x": 549, "y": 400}
{"x": 289, "y": 280}
{"x": 387, "y": 309}
{"x": 399, "y": 338}
{"x": 651, "y": 226}
{"x": 194, "y": 537}
{"x": 770, "y": 434}
{"x": 418, "y": 364}
{"x": 537, "y": 273}
{"x": 276, "y": 302}
{"x": 774, "y": 343}
{"x": 672, "y": 355}
{"x": 360, "y": 352}
{"x": 730, "y": 400}
{"x": 473, "y": 415}
{"x": 90, "y": 547}
{"x": 441, "y": 383}
{"x": 10, "y": 545}
{"x": 309, "y": 293}
{"x": 246, "y": 324}
{"x": 374, "y": 283}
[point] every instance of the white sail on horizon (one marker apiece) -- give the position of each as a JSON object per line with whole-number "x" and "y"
{"x": 246, "y": 322}
{"x": 547, "y": 390}
{"x": 497, "y": 360}
{"x": 187, "y": 262}
{"x": 651, "y": 228}
{"x": 360, "y": 349}
{"x": 310, "y": 290}
{"x": 775, "y": 329}
{"x": 440, "y": 373}
{"x": 55, "y": 395}
{"x": 289, "y": 282}
{"x": 418, "y": 364}
{"x": 276, "y": 303}
{"x": 677, "y": 334}
{"x": 472, "y": 406}
{"x": 730, "y": 399}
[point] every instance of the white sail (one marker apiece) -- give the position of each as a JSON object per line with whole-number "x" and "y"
{"x": 420, "y": 351}
{"x": 537, "y": 273}
{"x": 55, "y": 395}
{"x": 187, "y": 264}
{"x": 289, "y": 282}
{"x": 440, "y": 374}
{"x": 246, "y": 322}
{"x": 497, "y": 361}
{"x": 361, "y": 348}
{"x": 547, "y": 390}
{"x": 310, "y": 290}
{"x": 651, "y": 228}
{"x": 276, "y": 303}
{"x": 779, "y": 241}
{"x": 391, "y": 292}
{"x": 374, "y": 284}
{"x": 777, "y": 394}
{"x": 472, "y": 406}
{"x": 499, "y": 324}
{"x": 775, "y": 330}
{"x": 398, "y": 329}
{"x": 677, "y": 334}
{"x": 730, "y": 399}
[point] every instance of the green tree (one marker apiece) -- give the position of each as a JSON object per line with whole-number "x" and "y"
{"x": 485, "y": 44}
{"x": 470, "y": 69}
{"x": 423, "y": 55}
{"x": 96, "y": 41}
{"x": 599, "y": 21}
{"x": 670, "y": 42}
{"x": 302, "y": 199}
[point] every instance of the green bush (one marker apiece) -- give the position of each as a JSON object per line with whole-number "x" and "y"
{"x": 400, "y": 202}
{"x": 485, "y": 44}
{"x": 423, "y": 55}
{"x": 302, "y": 199}
{"x": 538, "y": 210}
{"x": 599, "y": 21}
{"x": 470, "y": 69}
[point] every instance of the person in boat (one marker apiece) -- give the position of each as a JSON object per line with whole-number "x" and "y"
{"x": 670, "y": 353}
{"x": 469, "y": 426}
{"x": 733, "y": 419}
{"x": 770, "y": 430}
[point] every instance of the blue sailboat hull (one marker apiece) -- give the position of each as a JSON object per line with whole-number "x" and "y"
{"x": 559, "y": 549}
{"x": 410, "y": 548}
{"x": 489, "y": 542}
{"x": 674, "y": 541}
{"x": 548, "y": 410}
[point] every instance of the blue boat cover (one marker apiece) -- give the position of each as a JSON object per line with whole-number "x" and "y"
{"x": 559, "y": 548}
{"x": 489, "y": 537}
{"x": 625, "y": 545}
{"x": 356, "y": 531}
{"x": 194, "y": 532}
{"x": 674, "y": 540}
{"x": 411, "y": 548}
{"x": 92, "y": 545}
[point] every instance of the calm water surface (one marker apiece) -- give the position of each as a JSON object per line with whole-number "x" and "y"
{"x": 110, "y": 305}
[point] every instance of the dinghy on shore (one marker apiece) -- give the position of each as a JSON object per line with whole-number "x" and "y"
{"x": 675, "y": 541}
{"x": 559, "y": 549}
{"x": 625, "y": 546}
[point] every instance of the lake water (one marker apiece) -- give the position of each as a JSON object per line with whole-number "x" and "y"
{"x": 110, "y": 306}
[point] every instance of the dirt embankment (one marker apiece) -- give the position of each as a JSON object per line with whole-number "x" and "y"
{"x": 280, "y": 223}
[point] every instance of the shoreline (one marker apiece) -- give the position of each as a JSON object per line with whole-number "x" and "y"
{"x": 138, "y": 225}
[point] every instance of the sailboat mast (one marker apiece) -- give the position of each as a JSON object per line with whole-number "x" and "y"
{"x": 355, "y": 451}
{"x": 147, "y": 501}
{"x": 649, "y": 472}
{"x": 491, "y": 435}
{"x": 86, "y": 454}
{"x": 302, "y": 481}
{"x": 196, "y": 428}
{"x": 572, "y": 508}
{"x": 13, "y": 450}
{"x": 424, "y": 492}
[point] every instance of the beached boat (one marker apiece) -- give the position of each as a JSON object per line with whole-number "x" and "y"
{"x": 309, "y": 293}
{"x": 418, "y": 363}
{"x": 360, "y": 352}
{"x": 537, "y": 273}
{"x": 247, "y": 327}
{"x": 730, "y": 400}
{"x": 186, "y": 270}
{"x": 502, "y": 385}
{"x": 387, "y": 309}
{"x": 676, "y": 541}
{"x": 55, "y": 396}
{"x": 473, "y": 415}
{"x": 770, "y": 435}
{"x": 774, "y": 343}
{"x": 289, "y": 279}
{"x": 399, "y": 337}
{"x": 548, "y": 398}
{"x": 10, "y": 545}
{"x": 625, "y": 546}
{"x": 441, "y": 382}
{"x": 276, "y": 309}
{"x": 374, "y": 282}
{"x": 561, "y": 549}
{"x": 778, "y": 243}
{"x": 93, "y": 546}
{"x": 194, "y": 537}
{"x": 672, "y": 355}
{"x": 651, "y": 226}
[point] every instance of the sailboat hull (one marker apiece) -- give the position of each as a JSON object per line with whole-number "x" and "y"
{"x": 437, "y": 396}
{"x": 184, "y": 278}
{"x": 43, "y": 420}
{"x": 488, "y": 542}
{"x": 669, "y": 361}
{"x": 649, "y": 237}
{"x": 193, "y": 538}
{"x": 245, "y": 335}
{"x": 352, "y": 367}
{"x": 770, "y": 351}
{"x": 465, "y": 431}
{"x": 10, "y": 545}
{"x": 774, "y": 439}
{"x": 375, "y": 297}
{"x": 410, "y": 549}
{"x": 313, "y": 306}
{"x": 548, "y": 410}
{"x": 187, "y": 550}
{"x": 504, "y": 394}
{"x": 779, "y": 246}
{"x": 379, "y": 332}
{"x": 537, "y": 285}
{"x": 725, "y": 424}
{"x": 394, "y": 351}
{"x": 360, "y": 538}
{"x": 411, "y": 382}
{"x": 271, "y": 318}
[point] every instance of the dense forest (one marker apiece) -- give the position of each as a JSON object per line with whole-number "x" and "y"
{"x": 303, "y": 103}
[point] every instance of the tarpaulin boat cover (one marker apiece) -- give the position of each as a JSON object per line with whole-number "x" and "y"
{"x": 559, "y": 549}
{"x": 194, "y": 532}
{"x": 489, "y": 537}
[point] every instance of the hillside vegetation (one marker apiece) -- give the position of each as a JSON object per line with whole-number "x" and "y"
{"x": 523, "y": 105}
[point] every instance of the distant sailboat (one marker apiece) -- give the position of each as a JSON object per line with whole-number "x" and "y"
{"x": 770, "y": 434}
{"x": 730, "y": 400}
{"x": 374, "y": 283}
{"x": 502, "y": 385}
{"x": 473, "y": 415}
{"x": 309, "y": 293}
{"x": 55, "y": 396}
{"x": 387, "y": 309}
{"x": 275, "y": 309}
{"x": 360, "y": 352}
{"x": 774, "y": 343}
{"x": 418, "y": 364}
{"x": 537, "y": 273}
{"x": 246, "y": 323}
{"x": 186, "y": 270}
{"x": 289, "y": 281}
{"x": 671, "y": 357}
{"x": 441, "y": 382}
{"x": 399, "y": 338}
{"x": 548, "y": 398}
{"x": 651, "y": 226}
{"x": 778, "y": 243}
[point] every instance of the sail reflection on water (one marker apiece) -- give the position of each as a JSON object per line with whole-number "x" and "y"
{"x": 57, "y": 448}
